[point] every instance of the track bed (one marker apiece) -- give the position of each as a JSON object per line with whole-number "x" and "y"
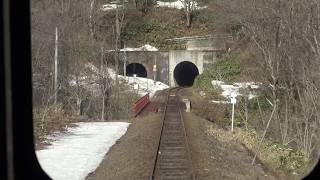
{"x": 173, "y": 158}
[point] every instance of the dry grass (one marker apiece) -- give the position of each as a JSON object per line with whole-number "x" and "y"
{"x": 212, "y": 112}
{"x": 280, "y": 158}
{"x": 283, "y": 159}
{"x": 48, "y": 120}
{"x": 168, "y": 16}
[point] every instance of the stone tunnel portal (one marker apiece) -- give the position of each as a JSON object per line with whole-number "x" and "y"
{"x": 136, "y": 68}
{"x": 185, "y": 73}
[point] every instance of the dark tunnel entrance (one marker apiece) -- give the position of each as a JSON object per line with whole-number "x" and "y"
{"x": 185, "y": 73}
{"x": 136, "y": 69}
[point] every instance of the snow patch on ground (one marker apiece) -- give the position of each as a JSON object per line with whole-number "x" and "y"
{"x": 144, "y": 85}
{"x": 138, "y": 84}
{"x": 109, "y": 7}
{"x": 220, "y": 102}
{"x": 217, "y": 83}
{"x": 252, "y": 85}
{"x": 227, "y": 89}
{"x": 75, "y": 155}
{"x": 179, "y": 4}
{"x": 176, "y": 4}
{"x": 112, "y": 6}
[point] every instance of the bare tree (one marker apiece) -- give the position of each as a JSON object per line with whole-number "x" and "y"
{"x": 284, "y": 36}
{"x": 91, "y": 18}
{"x": 56, "y": 67}
{"x": 104, "y": 83}
{"x": 189, "y": 8}
{"x": 119, "y": 21}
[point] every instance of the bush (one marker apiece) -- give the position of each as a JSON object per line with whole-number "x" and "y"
{"x": 48, "y": 119}
{"x": 121, "y": 107}
{"x": 277, "y": 156}
{"x": 143, "y": 32}
{"x": 224, "y": 70}
{"x": 209, "y": 111}
{"x": 212, "y": 92}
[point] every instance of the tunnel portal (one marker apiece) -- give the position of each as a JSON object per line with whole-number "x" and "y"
{"x": 185, "y": 73}
{"x": 136, "y": 68}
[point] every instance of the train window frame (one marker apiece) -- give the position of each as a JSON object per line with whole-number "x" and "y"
{"x": 16, "y": 127}
{"x": 17, "y": 150}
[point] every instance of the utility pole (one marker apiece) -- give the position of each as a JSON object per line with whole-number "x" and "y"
{"x": 117, "y": 31}
{"x": 56, "y": 68}
{"x": 116, "y": 57}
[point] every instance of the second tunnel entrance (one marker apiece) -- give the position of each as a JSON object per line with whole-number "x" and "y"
{"x": 136, "y": 69}
{"x": 185, "y": 73}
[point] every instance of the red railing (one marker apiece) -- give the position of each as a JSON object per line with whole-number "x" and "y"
{"x": 140, "y": 104}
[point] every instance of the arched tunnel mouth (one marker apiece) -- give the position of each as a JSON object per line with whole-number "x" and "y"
{"x": 136, "y": 69}
{"x": 185, "y": 73}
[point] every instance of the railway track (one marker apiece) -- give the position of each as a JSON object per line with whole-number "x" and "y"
{"x": 173, "y": 160}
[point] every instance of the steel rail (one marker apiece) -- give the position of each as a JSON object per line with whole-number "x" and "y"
{"x": 159, "y": 139}
{"x": 187, "y": 144}
{"x": 175, "y": 160}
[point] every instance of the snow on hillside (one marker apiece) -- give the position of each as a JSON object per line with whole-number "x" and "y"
{"x": 227, "y": 89}
{"x": 179, "y": 4}
{"x": 111, "y": 6}
{"x": 80, "y": 151}
{"x": 137, "y": 84}
{"x": 144, "y": 85}
{"x": 145, "y": 47}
